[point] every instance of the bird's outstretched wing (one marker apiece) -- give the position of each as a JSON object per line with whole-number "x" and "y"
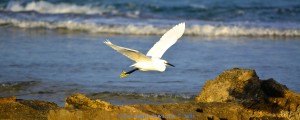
{"x": 166, "y": 41}
{"x": 130, "y": 53}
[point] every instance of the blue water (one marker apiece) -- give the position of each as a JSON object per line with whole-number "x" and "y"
{"x": 213, "y": 10}
{"x": 279, "y": 18}
{"x": 53, "y": 48}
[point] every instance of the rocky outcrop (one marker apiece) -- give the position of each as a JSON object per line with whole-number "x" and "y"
{"x": 236, "y": 94}
{"x": 14, "y": 109}
{"x": 232, "y": 85}
{"x": 254, "y": 98}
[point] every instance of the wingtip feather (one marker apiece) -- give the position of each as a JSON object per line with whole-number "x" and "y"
{"x": 179, "y": 28}
{"x": 182, "y": 25}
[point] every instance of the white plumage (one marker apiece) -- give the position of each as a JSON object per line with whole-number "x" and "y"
{"x": 152, "y": 61}
{"x": 166, "y": 41}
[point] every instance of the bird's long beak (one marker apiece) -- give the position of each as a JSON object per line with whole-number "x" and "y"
{"x": 170, "y": 64}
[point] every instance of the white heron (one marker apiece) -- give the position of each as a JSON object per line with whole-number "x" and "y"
{"x": 152, "y": 60}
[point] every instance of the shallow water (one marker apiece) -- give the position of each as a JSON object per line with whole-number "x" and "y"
{"x": 52, "y": 64}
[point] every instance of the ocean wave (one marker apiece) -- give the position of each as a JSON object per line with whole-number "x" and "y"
{"x": 199, "y": 29}
{"x": 254, "y": 10}
{"x": 46, "y": 7}
{"x": 68, "y": 8}
{"x": 8, "y": 87}
{"x": 240, "y": 30}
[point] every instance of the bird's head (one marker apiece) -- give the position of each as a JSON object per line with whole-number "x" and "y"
{"x": 168, "y": 64}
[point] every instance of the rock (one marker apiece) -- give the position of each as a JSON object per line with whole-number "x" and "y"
{"x": 14, "y": 109}
{"x": 80, "y": 101}
{"x": 254, "y": 98}
{"x": 236, "y": 94}
{"x": 78, "y": 106}
{"x": 39, "y": 105}
{"x": 232, "y": 85}
{"x": 119, "y": 113}
{"x": 273, "y": 88}
{"x": 8, "y": 100}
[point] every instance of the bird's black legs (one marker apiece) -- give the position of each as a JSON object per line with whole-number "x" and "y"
{"x": 131, "y": 71}
{"x": 124, "y": 74}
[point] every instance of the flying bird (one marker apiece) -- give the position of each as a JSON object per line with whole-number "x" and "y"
{"x": 152, "y": 60}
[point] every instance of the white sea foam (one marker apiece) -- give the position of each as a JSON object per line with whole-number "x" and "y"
{"x": 47, "y": 7}
{"x": 209, "y": 30}
{"x": 237, "y": 30}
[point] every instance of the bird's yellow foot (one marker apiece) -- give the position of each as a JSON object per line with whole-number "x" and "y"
{"x": 123, "y": 74}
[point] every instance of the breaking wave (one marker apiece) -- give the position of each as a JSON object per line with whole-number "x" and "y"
{"x": 155, "y": 18}
{"x": 67, "y": 8}
{"x": 201, "y": 29}
{"x": 47, "y": 7}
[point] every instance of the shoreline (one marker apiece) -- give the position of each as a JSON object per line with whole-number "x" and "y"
{"x": 235, "y": 94}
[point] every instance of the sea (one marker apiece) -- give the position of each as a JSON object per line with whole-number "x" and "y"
{"x": 50, "y": 49}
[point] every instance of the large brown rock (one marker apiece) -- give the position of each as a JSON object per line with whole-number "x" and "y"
{"x": 232, "y": 85}
{"x": 254, "y": 98}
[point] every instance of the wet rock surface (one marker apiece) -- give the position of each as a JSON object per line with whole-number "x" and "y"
{"x": 236, "y": 94}
{"x": 14, "y": 109}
